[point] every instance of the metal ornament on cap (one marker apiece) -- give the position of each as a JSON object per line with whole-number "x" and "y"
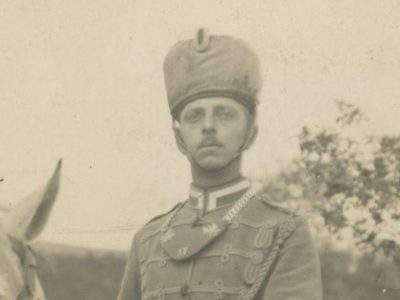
{"x": 201, "y": 41}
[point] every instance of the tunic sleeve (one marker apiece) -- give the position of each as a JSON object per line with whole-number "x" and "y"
{"x": 130, "y": 287}
{"x": 296, "y": 275}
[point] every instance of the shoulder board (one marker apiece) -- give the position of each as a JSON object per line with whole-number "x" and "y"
{"x": 166, "y": 213}
{"x": 275, "y": 205}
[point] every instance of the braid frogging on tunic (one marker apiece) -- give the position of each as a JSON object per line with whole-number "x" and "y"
{"x": 286, "y": 228}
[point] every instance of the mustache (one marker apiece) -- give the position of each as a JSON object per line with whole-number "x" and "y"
{"x": 210, "y": 141}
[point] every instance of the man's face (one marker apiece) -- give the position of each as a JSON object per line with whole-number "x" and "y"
{"x": 213, "y": 130}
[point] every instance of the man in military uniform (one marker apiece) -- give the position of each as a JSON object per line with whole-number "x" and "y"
{"x": 225, "y": 241}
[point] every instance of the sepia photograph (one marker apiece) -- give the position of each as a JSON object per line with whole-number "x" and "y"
{"x": 199, "y": 150}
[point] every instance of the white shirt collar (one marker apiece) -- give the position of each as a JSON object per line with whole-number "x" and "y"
{"x": 210, "y": 199}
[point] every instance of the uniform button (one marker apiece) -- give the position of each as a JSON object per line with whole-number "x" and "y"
{"x": 257, "y": 257}
{"x": 225, "y": 258}
{"x": 219, "y": 283}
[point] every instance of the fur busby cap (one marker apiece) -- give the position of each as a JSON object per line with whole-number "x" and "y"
{"x": 211, "y": 66}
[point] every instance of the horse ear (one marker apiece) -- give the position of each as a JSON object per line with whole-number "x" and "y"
{"x": 28, "y": 219}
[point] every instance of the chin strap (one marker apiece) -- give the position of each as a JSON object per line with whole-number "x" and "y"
{"x": 247, "y": 143}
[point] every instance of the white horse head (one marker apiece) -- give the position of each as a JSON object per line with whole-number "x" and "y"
{"x": 18, "y": 279}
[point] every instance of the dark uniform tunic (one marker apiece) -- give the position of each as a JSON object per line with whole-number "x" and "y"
{"x": 264, "y": 252}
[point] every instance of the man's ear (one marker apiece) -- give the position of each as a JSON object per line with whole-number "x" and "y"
{"x": 176, "y": 127}
{"x": 251, "y": 136}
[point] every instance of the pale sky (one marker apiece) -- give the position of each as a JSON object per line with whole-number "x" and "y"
{"x": 82, "y": 81}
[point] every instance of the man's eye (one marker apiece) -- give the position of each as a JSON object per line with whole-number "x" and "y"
{"x": 192, "y": 117}
{"x": 226, "y": 115}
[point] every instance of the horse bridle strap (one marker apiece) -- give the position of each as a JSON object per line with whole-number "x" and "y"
{"x": 28, "y": 260}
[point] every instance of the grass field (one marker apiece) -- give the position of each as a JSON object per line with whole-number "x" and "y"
{"x": 76, "y": 273}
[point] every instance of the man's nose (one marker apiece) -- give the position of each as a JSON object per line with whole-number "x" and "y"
{"x": 209, "y": 125}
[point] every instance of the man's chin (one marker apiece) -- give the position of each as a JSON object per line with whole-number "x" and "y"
{"x": 211, "y": 164}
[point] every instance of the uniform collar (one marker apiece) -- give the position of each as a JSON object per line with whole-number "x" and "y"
{"x": 210, "y": 199}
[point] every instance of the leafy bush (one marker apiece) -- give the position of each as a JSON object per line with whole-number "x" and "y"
{"x": 350, "y": 186}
